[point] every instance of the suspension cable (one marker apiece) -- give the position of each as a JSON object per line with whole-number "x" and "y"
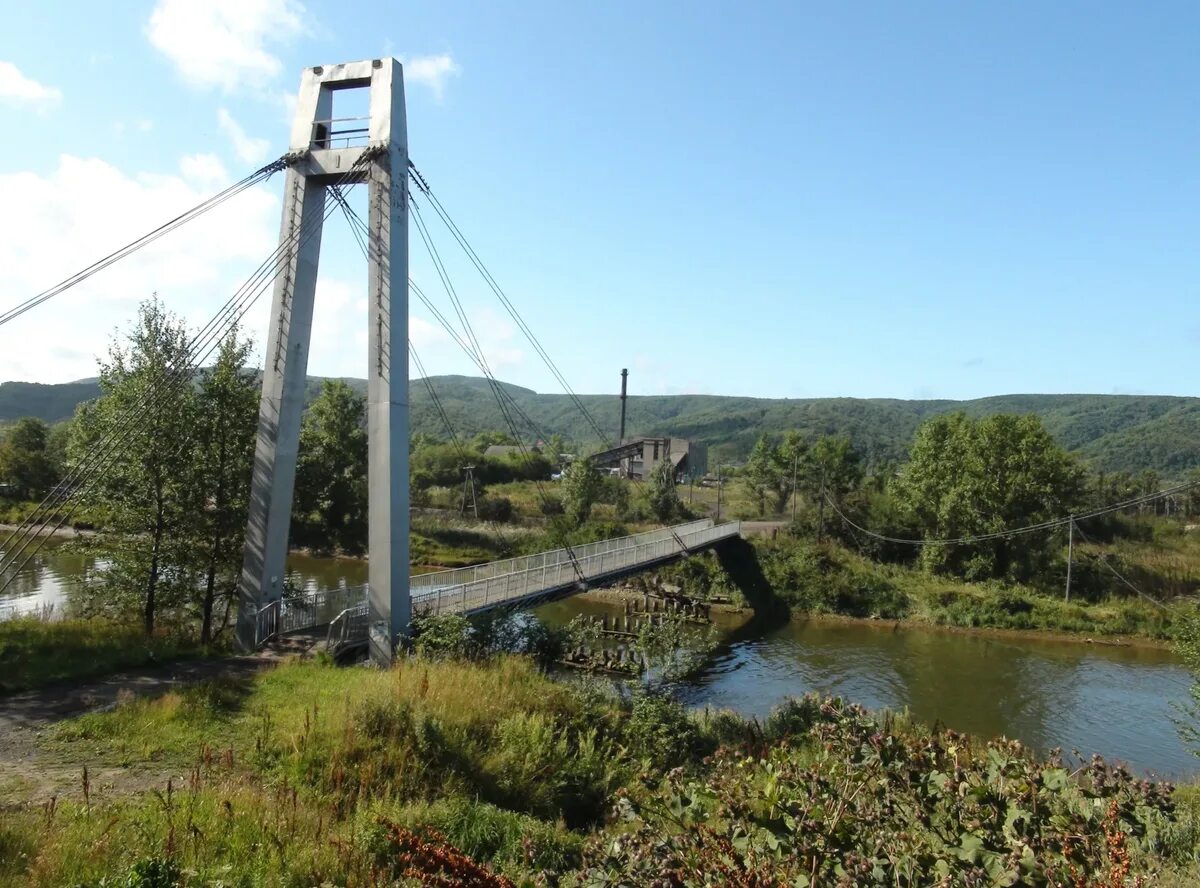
{"x": 106, "y": 450}
{"x": 259, "y": 175}
{"x": 467, "y": 349}
{"x": 423, "y": 187}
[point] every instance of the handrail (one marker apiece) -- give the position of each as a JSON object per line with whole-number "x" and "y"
{"x": 342, "y": 623}
{"x": 539, "y": 574}
{"x": 266, "y": 621}
{"x": 478, "y": 593}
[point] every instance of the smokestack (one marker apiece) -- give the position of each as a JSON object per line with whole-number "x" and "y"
{"x": 624, "y": 380}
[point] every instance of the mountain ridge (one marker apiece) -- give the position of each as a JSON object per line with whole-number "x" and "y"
{"x": 1112, "y": 432}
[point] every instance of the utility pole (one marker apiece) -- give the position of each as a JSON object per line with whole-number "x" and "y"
{"x": 1070, "y": 556}
{"x": 469, "y": 489}
{"x": 795, "y": 461}
{"x": 821, "y": 510}
{"x": 720, "y": 486}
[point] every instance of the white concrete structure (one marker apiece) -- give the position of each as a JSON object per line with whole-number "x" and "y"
{"x": 327, "y": 152}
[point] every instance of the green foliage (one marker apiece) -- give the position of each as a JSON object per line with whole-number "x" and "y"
{"x": 581, "y": 485}
{"x": 970, "y": 477}
{"x": 660, "y": 731}
{"x": 1113, "y": 432}
{"x": 660, "y": 493}
{"x": 226, "y": 418}
{"x": 443, "y": 636}
{"x": 821, "y": 578}
{"x": 855, "y": 801}
{"x": 495, "y": 775}
{"x": 330, "y": 510}
{"x": 27, "y": 464}
{"x": 1187, "y": 645}
{"x": 143, "y": 493}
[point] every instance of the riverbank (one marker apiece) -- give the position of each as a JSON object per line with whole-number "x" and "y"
{"x": 311, "y": 774}
{"x": 826, "y": 578}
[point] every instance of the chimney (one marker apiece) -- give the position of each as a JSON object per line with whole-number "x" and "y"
{"x": 624, "y": 380}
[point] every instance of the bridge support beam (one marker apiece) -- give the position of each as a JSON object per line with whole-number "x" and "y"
{"x": 319, "y": 164}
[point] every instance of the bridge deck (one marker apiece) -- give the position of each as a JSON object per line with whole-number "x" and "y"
{"x": 509, "y": 583}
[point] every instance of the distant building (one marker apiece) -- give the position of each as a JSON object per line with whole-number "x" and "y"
{"x": 639, "y": 456}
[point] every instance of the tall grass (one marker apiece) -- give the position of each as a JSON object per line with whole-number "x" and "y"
{"x": 309, "y": 775}
{"x": 36, "y": 652}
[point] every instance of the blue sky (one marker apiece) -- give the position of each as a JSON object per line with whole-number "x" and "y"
{"x": 794, "y": 199}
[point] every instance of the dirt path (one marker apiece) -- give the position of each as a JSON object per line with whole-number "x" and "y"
{"x": 28, "y": 772}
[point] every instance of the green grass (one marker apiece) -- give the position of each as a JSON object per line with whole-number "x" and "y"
{"x": 36, "y": 652}
{"x": 309, "y": 775}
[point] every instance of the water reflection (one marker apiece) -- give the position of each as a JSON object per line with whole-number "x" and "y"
{"x": 1113, "y": 700}
{"x": 45, "y": 584}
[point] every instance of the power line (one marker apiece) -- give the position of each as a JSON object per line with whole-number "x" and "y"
{"x": 1016, "y": 531}
{"x": 1118, "y": 574}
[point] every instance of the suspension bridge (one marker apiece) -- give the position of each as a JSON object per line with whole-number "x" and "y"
{"x": 326, "y": 158}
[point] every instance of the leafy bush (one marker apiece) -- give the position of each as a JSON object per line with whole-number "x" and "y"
{"x": 660, "y": 731}
{"x": 853, "y": 801}
{"x": 496, "y": 508}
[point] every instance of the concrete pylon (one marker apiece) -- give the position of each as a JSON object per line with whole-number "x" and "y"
{"x": 331, "y": 152}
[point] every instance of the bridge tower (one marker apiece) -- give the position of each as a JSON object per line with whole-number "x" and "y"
{"x": 329, "y": 152}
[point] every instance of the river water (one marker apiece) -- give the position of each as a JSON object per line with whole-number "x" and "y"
{"x": 1117, "y": 701}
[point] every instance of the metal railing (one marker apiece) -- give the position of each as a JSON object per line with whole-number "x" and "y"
{"x": 460, "y": 575}
{"x": 600, "y": 559}
{"x": 467, "y": 590}
{"x": 266, "y": 622}
{"x": 325, "y": 136}
{"x": 347, "y": 627}
{"x": 304, "y": 611}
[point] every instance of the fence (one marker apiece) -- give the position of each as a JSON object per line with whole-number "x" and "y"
{"x": 538, "y": 574}
{"x": 469, "y": 589}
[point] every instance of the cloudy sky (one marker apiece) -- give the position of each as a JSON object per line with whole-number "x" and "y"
{"x": 783, "y": 199}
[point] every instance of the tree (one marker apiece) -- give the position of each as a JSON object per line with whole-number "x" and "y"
{"x": 660, "y": 493}
{"x": 835, "y": 469}
{"x": 142, "y": 491}
{"x": 763, "y": 473}
{"x": 223, "y": 456}
{"x": 554, "y": 450}
{"x": 968, "y": 477}
{"x": 26, "y": 461}
{"x": 794, "y": 462}
{"x": 581, "y": 483}
{"x": 330, "y": 511}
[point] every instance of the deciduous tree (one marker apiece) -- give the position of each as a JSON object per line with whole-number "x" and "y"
{"x": 968, "y": 477}
{"x": 142, "y": 491}
{"x": 581, "y": 483}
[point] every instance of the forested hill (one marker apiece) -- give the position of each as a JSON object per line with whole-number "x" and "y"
{"x": 1115, "y": 432}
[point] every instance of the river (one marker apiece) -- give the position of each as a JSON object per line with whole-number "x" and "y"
{"x": 1117, "y": 701}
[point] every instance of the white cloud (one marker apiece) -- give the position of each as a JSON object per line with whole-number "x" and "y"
{"x": 224, "y": 43}
{"x": 432, "y": 71}
{"x": 84, "y": 209}
{"x": 204, "y": 170}
{"x": 17, "y": 89}
{"x": 248, "y": 149}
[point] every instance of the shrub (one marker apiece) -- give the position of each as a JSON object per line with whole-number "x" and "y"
{"x": 496, "y": 508}
{"x": 660, "y": 731}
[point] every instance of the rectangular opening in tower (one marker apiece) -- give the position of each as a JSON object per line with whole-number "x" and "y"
{"x": 349, "y": 120}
